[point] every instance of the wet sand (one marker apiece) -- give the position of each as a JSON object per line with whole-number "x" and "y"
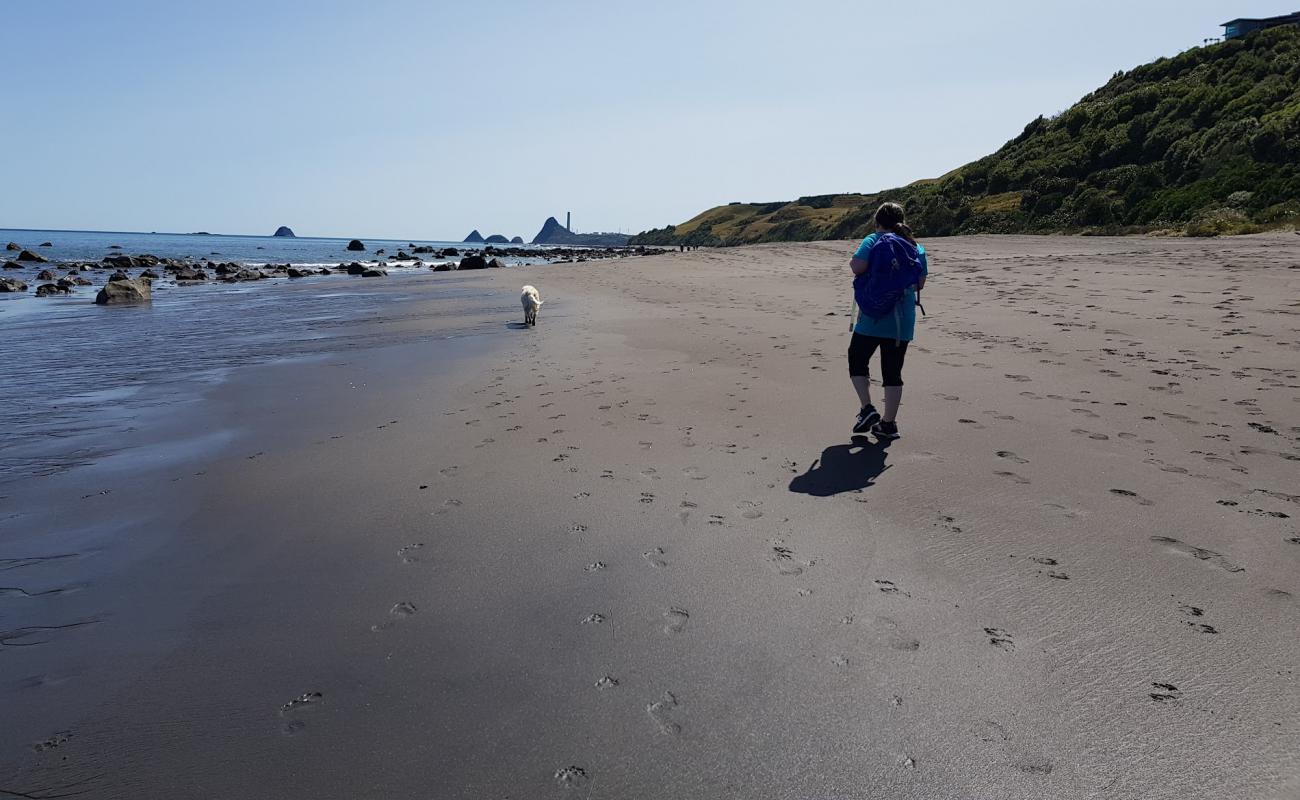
{"x": 634, "y": 552}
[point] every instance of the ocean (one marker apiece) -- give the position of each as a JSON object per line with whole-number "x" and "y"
{"x": 84, "y": 379}
{"x": 94, "y": 245}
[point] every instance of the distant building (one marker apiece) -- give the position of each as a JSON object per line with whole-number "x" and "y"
{"x": 1238, "y": 28}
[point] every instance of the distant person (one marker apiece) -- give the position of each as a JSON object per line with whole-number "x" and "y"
{"x": 889, "y": 271}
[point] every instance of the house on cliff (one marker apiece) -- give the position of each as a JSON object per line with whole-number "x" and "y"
{"x": 1238, "y": 28}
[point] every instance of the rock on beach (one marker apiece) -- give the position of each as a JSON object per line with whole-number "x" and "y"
{"x": 122, "y": 292}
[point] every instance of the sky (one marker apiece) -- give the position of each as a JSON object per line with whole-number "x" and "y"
{"x": 424, "y": 119}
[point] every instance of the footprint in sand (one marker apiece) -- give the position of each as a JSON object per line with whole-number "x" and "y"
{"x": 655, "y": 558}
{"x": 449, "y": 505}
{"x": 399, "y": 611}
{"x": 1010, "y": 456}
{"x": 593, "y": 619}
{"x": 53, "y": 743}
{"x": 662, "y": 712}
{"x": 1198, "y": 553}
{"x": 299, "y": 703}
{"x": 410, "y": 554}
{"x": 675, "y": 620}
{"x": 889, "y": 587}
{"x": 571, "y": 777}
{"x": 595, "y": 566}
{"x": 695, "y": 474}
{"x": 1000, "y": 639}
{"x": 1165, "y": 692}
{"x": 749, "y": 509}
{"x": 971, "y": 423}
{"x": 1099, "y": 437}
{"x": 1013, "y": 477}
{"x": 783, "y": 560}
{"x": 1196, "y": 613}
{"x": 1142, "y": 501}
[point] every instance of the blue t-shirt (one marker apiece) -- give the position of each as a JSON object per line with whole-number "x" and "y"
{"x": 904, "y": 327}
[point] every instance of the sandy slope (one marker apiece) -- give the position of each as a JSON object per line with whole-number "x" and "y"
{"x": 636, "y": 553}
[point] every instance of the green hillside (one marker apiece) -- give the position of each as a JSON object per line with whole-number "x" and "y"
{"x": 1207, "y": 142}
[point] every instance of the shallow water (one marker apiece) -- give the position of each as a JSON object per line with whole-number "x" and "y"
{"x": 82, "y": 379}
{"x": 94, "y": 245}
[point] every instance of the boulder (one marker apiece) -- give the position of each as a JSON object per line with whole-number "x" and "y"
{"x": 374, "y": 272}
{"x": 495, "y": 264}
{"x": 45, "y": 275}
{"x": 284, "y": 231}
{"x": 190, "y": 274}
{"x": 50, "y": 289}
{"x": 356, "y": 268}
{"x": 294, "y": 272}
{"x": 118, "y": 276}
{"x": 124, "y": 292}
{"x": 13, "y": 246}
{"x": 12, "y": 285}
{"x": 115, "y": 247}
{"x": 451, "y": 251}
{"x": 473, "y": 262}
{"x": 246, "y": 275}
{"x": 445, "y": 266}
{"x": 421, "y": 248}
{"x": 402, "y": 256}
{"x": 356, "y": 245}
{"x": 28, "y": 255}
{"x": 379, "y": 252}
{"x": 78, "y": 280}
{"x": 150, "y": 274}
{"x": 13, "y": 265}
{"x": 47, "y": 244}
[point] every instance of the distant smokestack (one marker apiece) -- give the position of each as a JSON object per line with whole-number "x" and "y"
{"x": 568, "y": 221}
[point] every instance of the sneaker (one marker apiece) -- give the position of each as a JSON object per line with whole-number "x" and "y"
{"x": 886, "y": 430}
{"x": 866, "y": 418}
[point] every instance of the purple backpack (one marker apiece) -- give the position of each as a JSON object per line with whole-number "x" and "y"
{"x": 894, "y": 264}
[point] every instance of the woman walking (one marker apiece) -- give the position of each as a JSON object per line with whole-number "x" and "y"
{"x": 889, "y": 270}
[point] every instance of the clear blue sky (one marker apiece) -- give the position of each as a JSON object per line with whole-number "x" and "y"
{"x": 419, "y": 119}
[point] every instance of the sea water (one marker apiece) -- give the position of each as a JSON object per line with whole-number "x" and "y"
{"x": 252, "y": 250}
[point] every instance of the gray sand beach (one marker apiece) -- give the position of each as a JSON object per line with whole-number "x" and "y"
{"x": 634, "y": 552}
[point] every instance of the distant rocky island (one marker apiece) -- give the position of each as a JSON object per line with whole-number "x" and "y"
{"x": 477, "y": 238}
{"x": 285, "y": 231}
{"x": 553, "y": 232}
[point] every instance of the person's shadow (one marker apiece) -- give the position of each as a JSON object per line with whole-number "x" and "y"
{"x": 844, "y": 468}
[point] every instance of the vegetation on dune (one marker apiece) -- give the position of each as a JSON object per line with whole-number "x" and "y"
{"x": 1205, "y": 143}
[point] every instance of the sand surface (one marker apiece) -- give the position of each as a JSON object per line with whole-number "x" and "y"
{"x": 635, "y": 552}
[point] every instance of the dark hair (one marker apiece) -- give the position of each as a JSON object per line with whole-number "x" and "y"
{"x": 890, "y": 217}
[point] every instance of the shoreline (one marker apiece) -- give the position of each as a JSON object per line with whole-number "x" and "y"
{"x": 634, "y": 552}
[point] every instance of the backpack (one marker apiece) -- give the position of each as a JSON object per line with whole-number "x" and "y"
{"x": 895, "y": 264}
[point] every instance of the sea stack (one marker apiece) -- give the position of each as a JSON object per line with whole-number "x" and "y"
{"x": 497, "y": 238}
{"x": 474, "y": 237}
{"x": 285, "y": 231}
{"x": 356, "y": 245}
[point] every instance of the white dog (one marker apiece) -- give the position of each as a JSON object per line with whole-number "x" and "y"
{"x": 531, "y": 300}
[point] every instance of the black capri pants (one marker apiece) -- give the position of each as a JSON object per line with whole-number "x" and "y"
{"x": 892, "y": 354}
